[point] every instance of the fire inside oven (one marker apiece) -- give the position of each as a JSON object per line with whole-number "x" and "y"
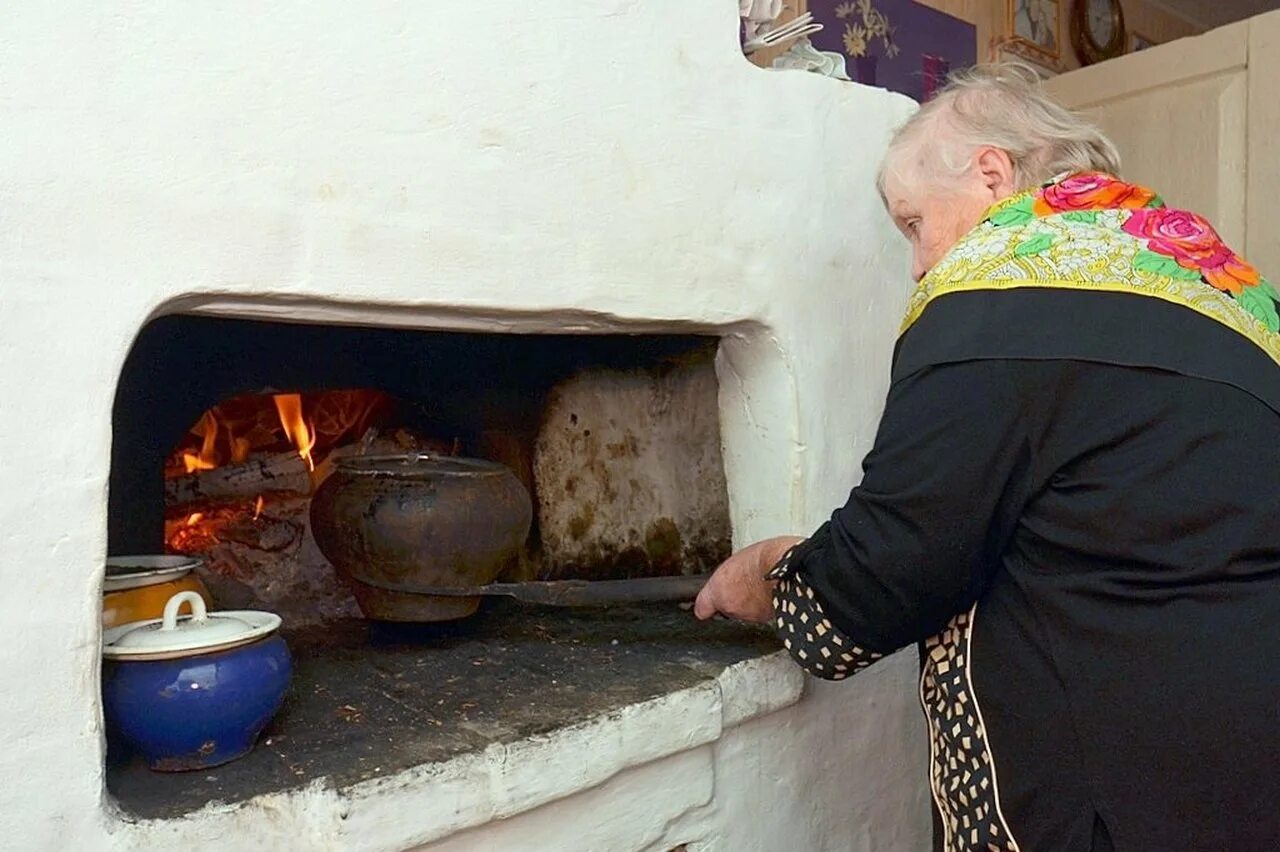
{"x": 225, "y": 431}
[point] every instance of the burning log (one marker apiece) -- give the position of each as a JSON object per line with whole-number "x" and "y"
{"x": 281, "y": 472}
{"x": 234, "y": 524}
{"x": 266, "y": 534}
{"x": 263, "y": 559}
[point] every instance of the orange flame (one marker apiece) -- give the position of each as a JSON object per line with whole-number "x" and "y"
{"x": 207, "y": 429}
{"x": 257, "y": 508}
{"x": 194, "y": 518}
{"x": 240, "y": 447}
{"x": 289, "y": 407}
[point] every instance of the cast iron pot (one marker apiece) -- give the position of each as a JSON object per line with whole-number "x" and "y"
{"x": 419, "y": 520}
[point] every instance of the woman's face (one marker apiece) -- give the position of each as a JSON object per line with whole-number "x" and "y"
{"x": 933, "y": 218}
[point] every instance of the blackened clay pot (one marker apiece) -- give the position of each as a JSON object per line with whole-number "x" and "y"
{"x": 419, "y": 520}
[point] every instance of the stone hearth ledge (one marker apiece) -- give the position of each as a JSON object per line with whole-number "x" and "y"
{"x": 504, "y": 780}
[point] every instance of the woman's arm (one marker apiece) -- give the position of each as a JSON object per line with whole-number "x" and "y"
{"x": 916, "y": 542}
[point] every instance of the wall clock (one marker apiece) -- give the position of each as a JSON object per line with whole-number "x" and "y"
{"x": 1097, "y": 30}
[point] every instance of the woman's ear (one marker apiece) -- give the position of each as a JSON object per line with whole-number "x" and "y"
{"x": 996, "y": 171}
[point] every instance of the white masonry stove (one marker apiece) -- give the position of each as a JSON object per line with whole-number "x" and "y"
{"x": 612, "y": 191}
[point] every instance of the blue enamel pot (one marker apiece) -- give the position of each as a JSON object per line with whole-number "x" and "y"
{"x": 191, "y": 692}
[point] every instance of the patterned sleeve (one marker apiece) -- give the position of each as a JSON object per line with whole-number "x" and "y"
{"x": 922, "y": 535}
{"x": 813, "y": 641}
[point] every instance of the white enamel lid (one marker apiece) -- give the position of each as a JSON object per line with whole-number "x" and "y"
{"x": 174, "y": 636}
{"x": 130, "y": 572}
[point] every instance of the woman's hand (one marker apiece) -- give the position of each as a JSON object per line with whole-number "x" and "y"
{"x": 738, "y": 588}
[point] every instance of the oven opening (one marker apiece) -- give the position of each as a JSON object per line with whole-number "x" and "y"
{"x": 561, "y": 457}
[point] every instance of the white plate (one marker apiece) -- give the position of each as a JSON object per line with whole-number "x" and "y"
{"x": 145, "y": 571}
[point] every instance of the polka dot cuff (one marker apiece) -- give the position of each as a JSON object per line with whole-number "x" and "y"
{"x": 809, "y": 636}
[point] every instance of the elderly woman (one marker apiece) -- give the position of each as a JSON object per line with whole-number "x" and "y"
{"x": 1073, "y": 501}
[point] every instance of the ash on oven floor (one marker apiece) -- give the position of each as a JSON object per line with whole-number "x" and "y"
{"x": 370, "y": 700}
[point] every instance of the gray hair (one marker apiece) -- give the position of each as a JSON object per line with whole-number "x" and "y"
{"x": 1003, "y": 106}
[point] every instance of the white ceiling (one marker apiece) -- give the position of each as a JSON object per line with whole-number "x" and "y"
{"x": 1215, "y": 13}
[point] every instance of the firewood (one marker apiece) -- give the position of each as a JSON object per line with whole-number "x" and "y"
{"x": 266, "y": 534}
{"x": 266, "y": 562}
{"x": 281, "y": 472}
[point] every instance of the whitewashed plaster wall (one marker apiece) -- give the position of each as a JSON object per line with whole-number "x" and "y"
{"x": 507, "y": 166}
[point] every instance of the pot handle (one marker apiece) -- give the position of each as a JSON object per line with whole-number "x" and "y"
{"x": 198, "y": 610}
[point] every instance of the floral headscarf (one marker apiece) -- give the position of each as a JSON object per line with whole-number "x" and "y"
{"x": 1093, "y": 231}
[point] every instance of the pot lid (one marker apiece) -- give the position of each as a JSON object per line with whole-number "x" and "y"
{"x": 131, "y": 572}
{"x": 172, "y": 636}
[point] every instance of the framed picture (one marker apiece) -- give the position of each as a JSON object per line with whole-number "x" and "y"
{"x": 1035, "y": 29}
{"x": 1139, "y": 42}
{"x": 1012, "y": 49}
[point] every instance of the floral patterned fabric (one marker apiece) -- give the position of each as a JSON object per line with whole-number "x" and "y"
{"x": 1093, "y": 231}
